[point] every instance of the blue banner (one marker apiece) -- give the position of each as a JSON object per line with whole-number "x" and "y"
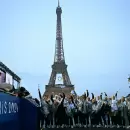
{"x": 18, "y": 113}
{"x": 9, "y": 112}
{"x": 29, "y": 115}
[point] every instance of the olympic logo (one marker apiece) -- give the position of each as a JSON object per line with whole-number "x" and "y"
{"x": 59, "y": 78}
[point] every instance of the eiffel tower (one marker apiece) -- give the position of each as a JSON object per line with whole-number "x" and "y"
{"x": 59, "y": 66}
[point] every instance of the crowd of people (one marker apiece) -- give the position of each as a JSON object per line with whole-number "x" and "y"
{"x": 67, "y": 111}
{"x": 84, "y": 111}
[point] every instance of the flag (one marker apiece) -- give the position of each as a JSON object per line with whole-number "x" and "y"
{"x": 129, "y": 79}
{"x": 101, "y": 95}
{"x": 87, "y": 93}
{"x": 105, "y": 94}
{"x": 92, "y": 95}
{"x": 73, "y": 92}
{"x": 116, "y": 94}
{"x": 40, "y": 96}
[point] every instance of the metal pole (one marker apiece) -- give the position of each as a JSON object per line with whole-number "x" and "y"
{"x": 18, "y": 84}
{"x": 13, "y": 81}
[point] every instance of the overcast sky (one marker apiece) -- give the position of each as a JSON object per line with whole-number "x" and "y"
{"x": 96, "y": 36}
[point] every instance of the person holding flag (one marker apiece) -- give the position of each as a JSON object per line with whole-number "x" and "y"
{"x": 71, "y": 110}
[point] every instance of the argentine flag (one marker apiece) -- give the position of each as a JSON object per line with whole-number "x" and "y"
{"x": 73, "y": 92}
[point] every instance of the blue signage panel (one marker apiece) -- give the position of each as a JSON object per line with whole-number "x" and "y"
{"x": 29, "y": 115}
{"x": 18, "y": 113}
{"x": 9, "y": 112}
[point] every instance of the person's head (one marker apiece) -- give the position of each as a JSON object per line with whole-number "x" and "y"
{"x": 78, "y": 97}
{"x": 88, "y": 98}
{"x": 122, "y": 99}
{"x": 55, "y": 102}
{"x": 93, "y": 100}
{"x": 52, "y": 93}
{"x": 105, "y": 98}
{"x": 70, "y": 99}
{"x": 74, "y": 96}
{"x": 81, "y": 98}
{"x": 48, "y": 100}
{"x": 113, "y": 97}
{"x": 59, "y": 98}
{"x": 56, "y": 97}
{"x": 119, "y": 101}
{"x": 59, "y": 94}
{"x": 98, "y": 98}
{"x": 84, "y": 97}
{"x": 110, "y": 98}
{"x": 45, "y": 97}
{"x": 128, "y": 99}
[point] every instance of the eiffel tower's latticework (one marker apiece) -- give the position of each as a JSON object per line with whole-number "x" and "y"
{"x": 59, "y": 66}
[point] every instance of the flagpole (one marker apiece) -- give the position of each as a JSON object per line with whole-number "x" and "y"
{"x": 40, "y": 103}
{"x": 39, "y": 94}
